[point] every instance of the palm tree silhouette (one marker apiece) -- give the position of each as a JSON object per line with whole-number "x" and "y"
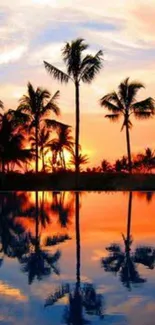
{"x": 79, "y": 69}
{"x": 11, "y": 140}
{"x": 82, "y": 160}
{"x": 106, "y": 166}
{"x": 82, "y": 296}
{"x": 38, "y": 104}
{"x": 124, "y": 104}
{"x": 62, "y": 207}
{"x": 64, "y": 141}
{"x": 13, "y": 239}
{"x": 124, "y": 261}
{"x": 38, "y": 263}
{"x": 146, "y": 159}
{"x": 44, "y": 137}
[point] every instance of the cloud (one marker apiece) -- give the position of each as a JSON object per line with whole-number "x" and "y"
{"x": 11, "y": 293}
{"x": 13, "y": 54}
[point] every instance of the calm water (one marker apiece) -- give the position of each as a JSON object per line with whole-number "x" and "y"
{"x": 70, "y": 258}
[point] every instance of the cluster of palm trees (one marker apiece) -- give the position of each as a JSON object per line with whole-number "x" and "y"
{"x": 31, "y": 123}
{"x": 28, "y": 133}
{"x": 144, "y": 162}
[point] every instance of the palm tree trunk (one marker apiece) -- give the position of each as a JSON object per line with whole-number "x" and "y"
{"x": 3, "y": 166}
{"x": 129, "y": 219}
{"x": 43, "y": 162}
{"x": 61, "y": 161}
{"x": 36, "y": 136}
{"x": 77, "y": 132}
{"x": 37, "y": 224}
{"x": 128, "y": 148}
{"x": 77, "y": 229}
{"x": 63, "y": 157}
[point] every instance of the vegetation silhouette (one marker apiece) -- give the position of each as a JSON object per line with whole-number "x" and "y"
{"x": 124, "y": 104}
{"x": 63, "y": 208}
{"x": 82, "y": 296}
{"x": 37, "y": 104}
{"x": 64, "y": 141}
{"x": 124, "y": 262}
{"x": 13, "y": 239}
{"x": 12, "y": 150}
{"x": 39, "y": 263}
{"x": 79, "y": 69}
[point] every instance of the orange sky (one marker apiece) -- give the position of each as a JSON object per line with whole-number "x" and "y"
{"x": 102, "y": 139}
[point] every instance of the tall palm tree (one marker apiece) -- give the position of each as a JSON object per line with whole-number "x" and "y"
{"x": 124, "y": 261}
{"x": 38, "y": 104}
{"x": 79, "y": 69}
{"x": 124, "y": 104}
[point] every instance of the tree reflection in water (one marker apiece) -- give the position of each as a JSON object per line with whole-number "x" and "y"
{"x": 17, "y": 242}
{"x": 81, "y": 296}
{"x": 124, "y": 261}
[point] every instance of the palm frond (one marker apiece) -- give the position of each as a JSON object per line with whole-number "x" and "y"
{"x": 54, "y": 124}
{"x": 72, "y": 56}
{"x": 56, "y": 73}
{"x": 147, "y": 104}
{"x": 142, "y": 115}
{"x": 57, "y": 295}
{"x": 113, "y": 117}
{"x": 114, "y": 99}
{"x": 93, "y": 66}
{"x": 126, "y": 122}
{"x": 111, "y": 107}
{"x": 132, "y": 91}
{"x": 52, "y": 106}
{"x": 1, "y": 104}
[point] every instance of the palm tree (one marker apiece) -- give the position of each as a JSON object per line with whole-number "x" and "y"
{"x": 12, "y": 140}
{"x": 37, "y": 104}
{"x": 82, "y": 160}
{"x": 63, "y": 142}
{"x": 121, "y": 164}
{"x": 43, "y": 143}
{"x": 124, "y": 261}
{"x": 146, "y": 160}
{"x": 124, "y": 104}
{"x": 79, "y": 69}
{"x": 106, "y": 166}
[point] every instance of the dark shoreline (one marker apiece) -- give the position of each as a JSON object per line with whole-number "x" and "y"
{"x": 87, "y": 182}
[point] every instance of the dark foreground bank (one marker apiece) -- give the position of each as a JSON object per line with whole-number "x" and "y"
{"x": 87, "y": 181}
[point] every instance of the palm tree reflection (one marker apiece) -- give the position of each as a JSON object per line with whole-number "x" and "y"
{"x": 38, "y": 263}
{"x": 124, "y": 262}
{"x": 12, "y": 236}
{"x": 81, "y": 297}
{"x": 64, "y": 208}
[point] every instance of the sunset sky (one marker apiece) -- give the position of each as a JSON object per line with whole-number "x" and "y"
{"x": 35, "y": 30}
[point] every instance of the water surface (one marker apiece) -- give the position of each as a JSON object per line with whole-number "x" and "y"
{"x": 77, "y": 258}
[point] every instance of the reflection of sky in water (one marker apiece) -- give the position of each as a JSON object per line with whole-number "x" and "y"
{"x": 103, "y": 220}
